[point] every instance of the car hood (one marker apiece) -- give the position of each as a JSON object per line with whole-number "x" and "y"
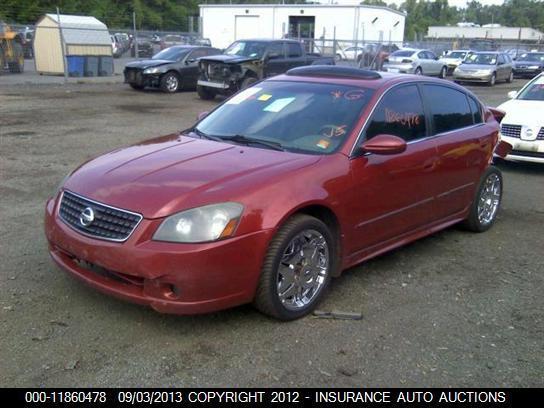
{"x": 143, "y": 64}
{"x": 451, "y": 60}
{"x": 525, "y": 113}
{"x": 476, "y": 67}
{"x": 169, "y": 174}
{"x": 228, "y": 59}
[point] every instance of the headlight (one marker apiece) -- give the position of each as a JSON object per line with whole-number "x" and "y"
{"x": 534, "y": 67}
{"x": 483, "y": 72}
{"x": 202, "y": 224}
{"x": 154, "y": 70}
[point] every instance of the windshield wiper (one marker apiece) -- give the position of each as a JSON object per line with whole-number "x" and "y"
{"x": 249, "y": 140}
{"x": 203, "y": 135}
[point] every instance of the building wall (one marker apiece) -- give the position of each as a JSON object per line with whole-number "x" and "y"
{"x": 223, "y": 24}
{"x": 505, "y": 33}
{"x": 47, "y": 48}
{"x": 77, "y": 49}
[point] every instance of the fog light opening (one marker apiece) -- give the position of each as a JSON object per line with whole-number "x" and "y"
{"x": 172, "y": 291}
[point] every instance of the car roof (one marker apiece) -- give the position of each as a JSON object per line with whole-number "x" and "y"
{"x": 269, "y": 40}
{"x": 342, "y": 77}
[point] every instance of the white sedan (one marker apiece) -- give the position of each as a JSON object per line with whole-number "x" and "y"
{"x": 523, "y": 124}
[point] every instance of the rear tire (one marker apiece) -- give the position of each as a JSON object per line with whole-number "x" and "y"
{"x": 205, "y": 93}
{"x": 418, "y": 71}
{"x": 297, "y": 269}
{"x": 486, "y": 203}
{"x": 510, "y": 77}
{"x": 443, "y": 73}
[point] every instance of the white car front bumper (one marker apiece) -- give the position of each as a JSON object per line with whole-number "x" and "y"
{"x": 525, "y": 150}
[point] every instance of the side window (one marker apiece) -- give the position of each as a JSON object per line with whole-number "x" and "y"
{"x": 422, "y": 55}
{"x": 294, "y": 50}
{"x": 501, "y": 59}
{"x": 476, "y": 109}
{"x": 198, "y": 54}
{"x": 430, "y": 55}
{"x": 276, "y": 48}
{"x": 212, "y": 51}
{"x": 400, "y": 113}
{"x": 449, "y": 108}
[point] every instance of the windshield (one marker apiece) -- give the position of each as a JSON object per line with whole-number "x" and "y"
{"x": 301, "y": 117}
{"x": 402, "y": 53}
{"x": 171, "y": 54}
{"x": 534, "y": 91}
{"x": 482, "y": 59}
{"x": 536, "y": 57}
{"x": 253, "y": 49}
{"x": 456, "y": 54}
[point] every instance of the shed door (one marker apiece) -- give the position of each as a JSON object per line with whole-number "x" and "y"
{"x": 246, "y": 27}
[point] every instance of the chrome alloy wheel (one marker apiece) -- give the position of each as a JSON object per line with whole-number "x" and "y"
{"x": 489, "y": 200}
{"x": 303, "y": 269}
{"x": 172, "y": 83}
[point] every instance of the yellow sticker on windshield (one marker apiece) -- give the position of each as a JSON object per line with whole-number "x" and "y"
{"x": 264, "y": 97}
{"x": 323, "y": 143}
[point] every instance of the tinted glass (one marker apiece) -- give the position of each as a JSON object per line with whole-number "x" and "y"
{"x": 476, "y": 109}
{"x": 252, "y": 49}
{"x": 456, "y": 54}
{"x": 302, "y": 117}
{"x": 172, "y": 54}
{"x": 293, "y": 50}
{"x": 276, "y": 48}
{"x": 198, "y": 54}
{"x": 536, "y": 57}
{"x": 430, "y": 55}
{"x": 400, "y": 113}
{"x": 449, "y": 108}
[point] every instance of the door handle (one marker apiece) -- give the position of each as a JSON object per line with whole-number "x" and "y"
{"x": 430, "y": 164}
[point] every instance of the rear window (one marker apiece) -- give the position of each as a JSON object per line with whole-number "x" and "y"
{"x": 402, "y": 53}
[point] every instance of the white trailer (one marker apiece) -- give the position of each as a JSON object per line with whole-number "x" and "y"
{"x": 225, "y": 23}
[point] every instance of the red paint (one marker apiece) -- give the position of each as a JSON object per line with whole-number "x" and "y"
{"x": 381, "y": 201}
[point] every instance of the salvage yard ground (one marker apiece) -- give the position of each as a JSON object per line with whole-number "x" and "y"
{"x": 454, "y": 309}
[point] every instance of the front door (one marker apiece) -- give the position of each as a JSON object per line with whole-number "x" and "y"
{"x": 394, "y": 194}
{"x": 275, "y": 61}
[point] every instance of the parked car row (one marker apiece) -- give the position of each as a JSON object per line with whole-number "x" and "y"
{"x": 211, "y": 73}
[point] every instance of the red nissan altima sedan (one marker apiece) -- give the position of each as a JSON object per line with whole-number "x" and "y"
{"x": 278, "y": 189}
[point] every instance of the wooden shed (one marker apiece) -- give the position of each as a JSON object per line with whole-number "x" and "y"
{"x": 83, "y": 36}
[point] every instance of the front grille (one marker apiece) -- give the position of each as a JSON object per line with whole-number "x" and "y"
{"x": 511, "y": 130}
{"x": 112, "y": 224}
{"x": 218, "y": 71}
{"x": 540, "y": 135}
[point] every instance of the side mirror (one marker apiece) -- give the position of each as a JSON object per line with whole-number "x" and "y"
{"x": 202, "y": 115}
{"x": 190, "y": 61}
{"x": 512, "y": 94}
{"x": 384, "y": 144}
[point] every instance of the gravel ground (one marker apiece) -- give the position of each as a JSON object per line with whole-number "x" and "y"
{"x": 454, "y": 309}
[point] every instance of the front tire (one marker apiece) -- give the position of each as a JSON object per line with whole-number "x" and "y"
{"x": 487, "y": 201}
{"x": 170, "y": 82}
{"x": 297, "y": 269}
{"x": 418, "y": 71}
{"x": 204, "y": 93}
{"x": 247, "y": 82}
{"x": 492, "y": 80}
{"x": 443, "y": 73}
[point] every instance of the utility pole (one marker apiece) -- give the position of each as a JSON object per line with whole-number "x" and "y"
{"x": 64, "y": 60}
{"x": 134, "y": 34}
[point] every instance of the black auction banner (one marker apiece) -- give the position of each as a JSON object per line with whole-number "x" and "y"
{"x": 172, "y": 397}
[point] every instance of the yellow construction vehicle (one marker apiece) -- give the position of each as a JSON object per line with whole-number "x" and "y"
{"x": 11, "y": 51}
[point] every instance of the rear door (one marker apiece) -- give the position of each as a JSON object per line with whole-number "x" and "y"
{"x": 434, "y": 65}
{"x": 295, "y": 55}
{"x": 393, "y": 194}
{"x": 463, "y": 143}
{"x": 189, "y": 67}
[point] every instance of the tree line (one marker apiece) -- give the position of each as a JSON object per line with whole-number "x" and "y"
{"x": 173, "y": 14}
